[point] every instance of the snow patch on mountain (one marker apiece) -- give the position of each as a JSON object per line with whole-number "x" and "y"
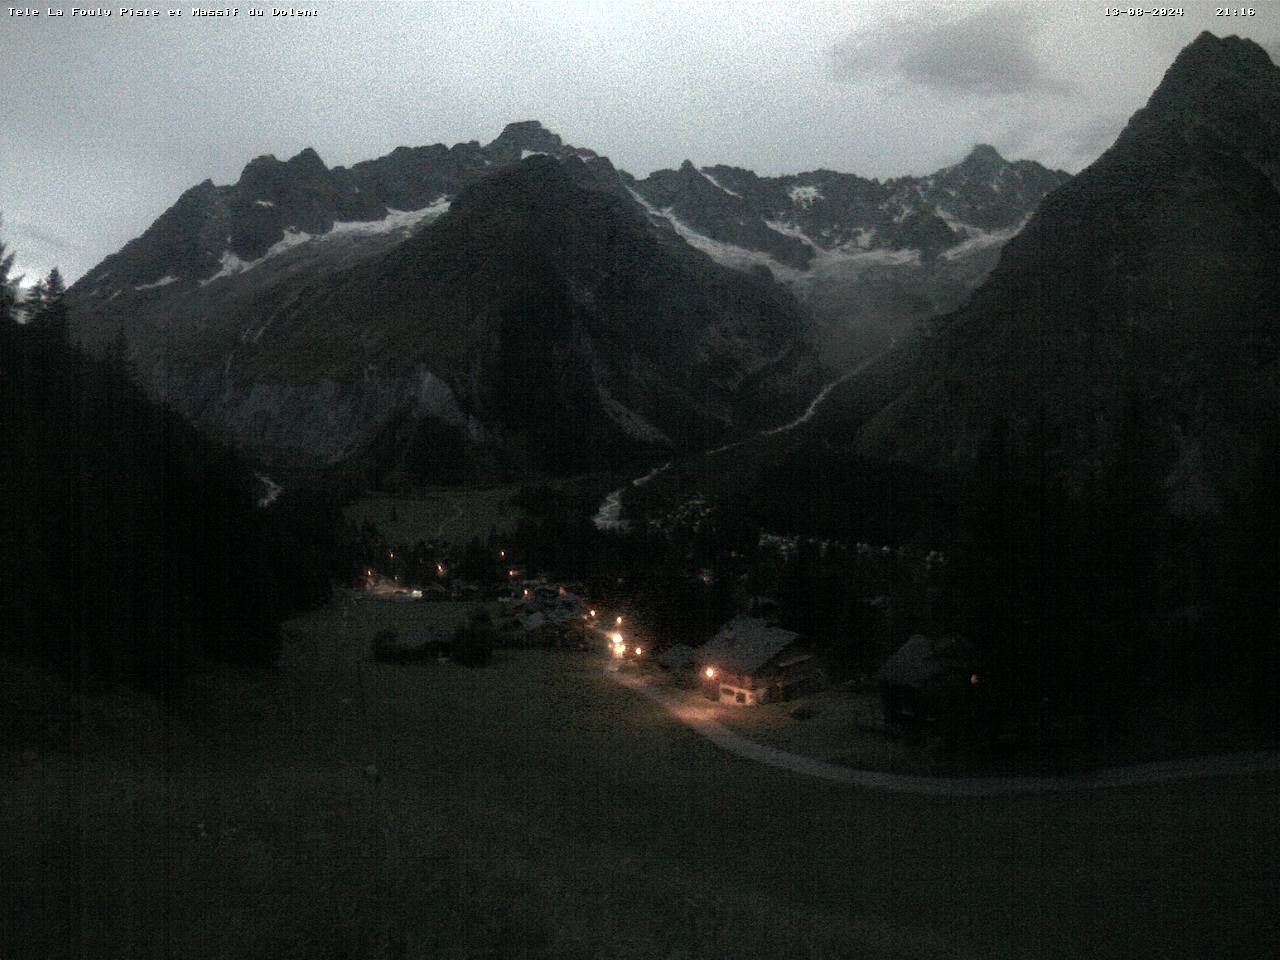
{"x": 162, "y": 282}
{"x": 263, "y": 203}
{"x": 729, "y": 255}
{"x": 725, "y": 254}
{"x": 526, "y": 154}
{"x": 609, "y": 516}
{"x": 954, "y": 223}
{"x": 791, "y": 230}
{"x": 718, "y": 185}
{"x": 293, "y": 237}
{"x": 804, "y": 197}
{"x": 882, "y": 257}
{"x": 980, "y": 239}
{"x": 395, "y": 220}
{"x": 230, "y": 266}
{"x": 270, "y": 490}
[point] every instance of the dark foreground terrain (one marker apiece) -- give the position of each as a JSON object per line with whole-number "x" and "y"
{"x": 533, "y": 809}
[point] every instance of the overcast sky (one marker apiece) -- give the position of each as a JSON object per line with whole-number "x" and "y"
{"x": 106, "y": 121}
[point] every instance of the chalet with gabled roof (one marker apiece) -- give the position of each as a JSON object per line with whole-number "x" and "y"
{"x": 750, "y": 661}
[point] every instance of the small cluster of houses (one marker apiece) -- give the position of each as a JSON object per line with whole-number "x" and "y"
{"x": 751, "y": 660}
{"x": 380, "y": 586}
{"x": 546, "y": 613}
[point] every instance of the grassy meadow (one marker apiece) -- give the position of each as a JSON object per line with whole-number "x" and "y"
{"x": 535, "y": 809}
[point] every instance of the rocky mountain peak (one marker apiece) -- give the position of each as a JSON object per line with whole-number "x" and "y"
{"x": 1229, "y": 79}
{"x": 266, "y": 161}
{"x": 984, "y": 154}
{"x": 525, "y": 136}
{"x": 308, "y": 161}
{"x": 1141, "y": 293}
{"x": 1224, "y": 54}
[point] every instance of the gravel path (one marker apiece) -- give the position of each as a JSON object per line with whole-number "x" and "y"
{"x": 1263, "y": 761}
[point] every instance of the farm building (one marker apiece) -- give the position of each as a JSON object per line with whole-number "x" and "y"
{"x": 749, "y": 662}
{"x": 916, "y": 673}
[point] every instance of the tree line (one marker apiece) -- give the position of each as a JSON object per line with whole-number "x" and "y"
{"x": 131, "y": 546}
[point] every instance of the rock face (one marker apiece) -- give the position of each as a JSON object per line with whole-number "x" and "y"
{"x": 1134, "y": 319}
{"x": 1119, "y": 363}
{"x": 275, "y": 202}
{"x": 312, "y": 315}
{"x": 869, "y": 258}
{"x": 540, "y": 322}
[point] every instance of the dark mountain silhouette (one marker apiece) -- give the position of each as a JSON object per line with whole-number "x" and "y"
{"x": 1097, "y": 431}
{"x": 211, "y": 298}
{"x": 131, "y": 546}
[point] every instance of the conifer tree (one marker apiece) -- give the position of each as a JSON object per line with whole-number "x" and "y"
{"x": 7, "y": 298}
{"x": 55, "y": 306}
{"x": 45, "y": 306}
{"x": 32, "y": 305}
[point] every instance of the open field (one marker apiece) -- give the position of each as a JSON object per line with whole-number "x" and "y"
{"x": 454, "y": 514}
{"x": 832, "y": 726}
{"x": 534, "y": 809}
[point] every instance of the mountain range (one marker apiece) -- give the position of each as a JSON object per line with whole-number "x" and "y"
{"x": 443, "y": 313}
{"x": 1097, "y": 429}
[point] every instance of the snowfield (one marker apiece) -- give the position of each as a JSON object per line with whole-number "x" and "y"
{"x": 395, "y": 221}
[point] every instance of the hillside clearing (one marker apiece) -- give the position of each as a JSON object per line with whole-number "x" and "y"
{"x": 536, "y": 809}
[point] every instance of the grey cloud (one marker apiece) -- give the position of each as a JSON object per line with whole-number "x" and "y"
{"x": 1070, "y": 144}
{"x": 21, "y": 230}
{"x": 988, "y": 52}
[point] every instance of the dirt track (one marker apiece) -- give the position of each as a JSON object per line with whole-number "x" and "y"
{"x": 1127, "y": 776}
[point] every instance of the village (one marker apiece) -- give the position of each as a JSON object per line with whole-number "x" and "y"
{"x": 707, "y": 639}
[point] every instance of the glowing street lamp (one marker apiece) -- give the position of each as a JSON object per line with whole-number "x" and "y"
{"x": 710, "y": 672}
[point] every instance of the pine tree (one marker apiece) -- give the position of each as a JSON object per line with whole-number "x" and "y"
{"x": 55, "y": 306}
{"x": 32, "y": 305}
{"x": 7, "y": 298}
{"x": 46, "y": 308}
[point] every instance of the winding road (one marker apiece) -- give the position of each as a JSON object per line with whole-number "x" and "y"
{"x": 1134, "y": 775}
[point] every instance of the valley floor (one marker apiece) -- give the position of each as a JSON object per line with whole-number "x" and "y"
{"x": 345, "y": 808}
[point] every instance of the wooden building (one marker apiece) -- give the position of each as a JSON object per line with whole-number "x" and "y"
{"x": 751, "y": 662}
